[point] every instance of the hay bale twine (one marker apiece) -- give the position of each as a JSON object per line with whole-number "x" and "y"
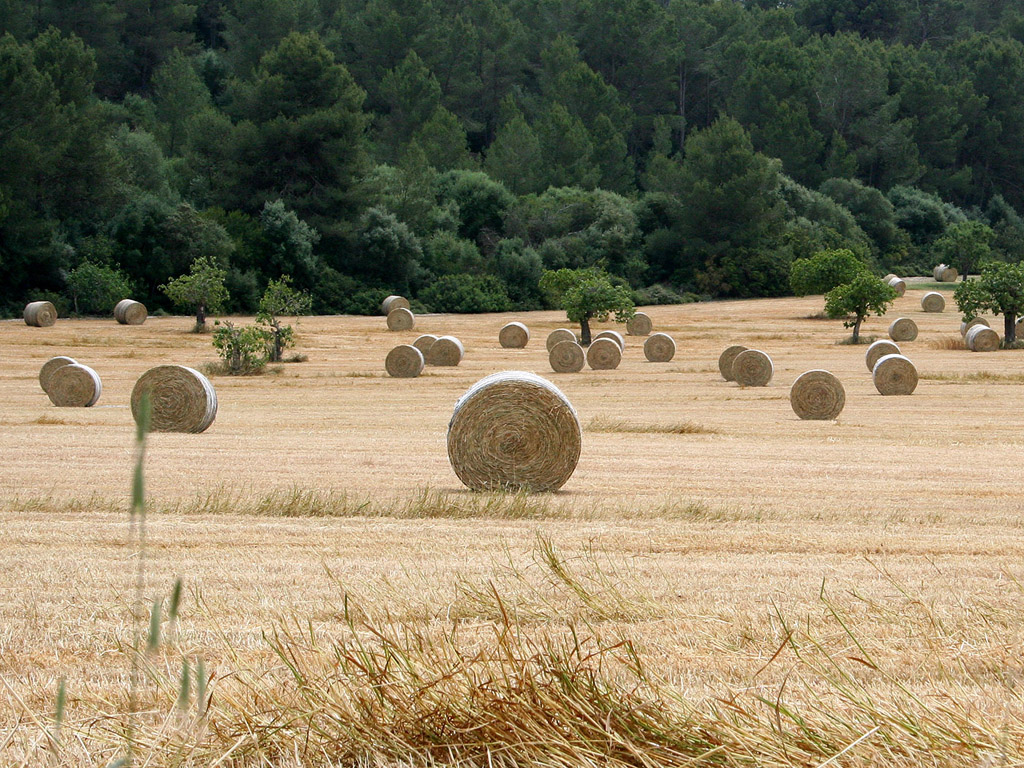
{"x": 982, "y": 339}
{"x": 894, "y": 375}
{"x": 392, "y": 303}
{"x": 181, "y": 399}
{"x": 128, "y": 312}
{"x": 878, "y": 350}
{"x": 638, "y": 325}
{"x": 401, "y": 319}
{"x": 50, "y": 366}
{"x": 559, "y": 335}
{"x": 933, "y": 301}
{"x": 614, "y": 336}
{"x": 725, "y": 360}
{"x": 567, "y": 357}
{"x": 447, "y": 350}
{"x": 659, "y": 348}
{"x": 965, "y": 327}
{"x": 604, "y": 354}
{"x": 903, "y": 329}
{"x": 74, "y": 386}
{"x": 514, "y": 431}
{"x": 818, "y": 395}
{"x": 404, "y": 362}
{"x": 514, "y": 336}
{"x": 424, "y": 342}
{"x": 41, "y": 314}
{"x": 752, "y": 368}
{"x": 898, "y": 285}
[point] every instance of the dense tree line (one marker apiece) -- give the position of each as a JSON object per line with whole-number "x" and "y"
{"x": 454, "y": 149}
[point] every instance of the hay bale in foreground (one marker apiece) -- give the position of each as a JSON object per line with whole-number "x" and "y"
{"x": 404, "y": 362}
{"x": 982, "y": 339}
{"x": 878, "y": 350}
{"x": 639, "y": 325}
{"x": 424, "y": 342}
{"x": 818, "y": 395}
{"x": 944, "y": 273}
{"x": 898, "y": 285}
{"x": 933, "y": 301}
{"x": 41, "y": 314}
{"x": 903, "y": 329}
{"x": 447, "y": 350}
{"x": 752, "y": 368}
{"x": 401, "y": 319}
{"x": 725, "y": 360}
{"x": 659, "y": 348}
{"x": 514, "y": 335}
{"x": 74, "y": 386}
{"x": 51, "y": 365}
{"x": 615, "y": 336}
{"x": 129, "y": 312}
{"x": 392, "y": 303}
{"x": 965, "y": 327}
{"x": 604, "y": 354}
{"x": 181, "y": 399}
{"x": 894, "y": 375}
{"x": 567, "y": 357}
{"x": 559, "y": 335}
{"x": 514, "y": 431}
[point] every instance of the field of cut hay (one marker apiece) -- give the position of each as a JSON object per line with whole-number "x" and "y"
{"x": 719, "y": 583}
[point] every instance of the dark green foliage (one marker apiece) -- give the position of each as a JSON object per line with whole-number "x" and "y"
{"x": 95, "y": 289}
{"x": 999, "y": 290}
{"x": 824, "y": 271}
{"x": 865, "y": 294}
{"x": 966, "y": 245}
{"x": 466, "y": 293}
{"x": 587, "y": 294}
{"x": 482, "y": 203}
{"x": 242, "y": 348}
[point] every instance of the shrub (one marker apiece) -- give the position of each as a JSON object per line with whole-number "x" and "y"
{"x": 242, "y": 348}
{"x": 824, "y": 271}
{"x": 95, "y": 289}
{"x": 466, "y": 294}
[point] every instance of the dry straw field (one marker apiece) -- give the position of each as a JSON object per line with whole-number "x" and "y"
{"x": 719, "y": 583}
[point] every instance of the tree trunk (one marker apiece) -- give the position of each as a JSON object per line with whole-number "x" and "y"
{"x": 585, "y": 331}
{"x": 856, "y": 330}
{"x": 201, "y": 316}
{"x": 1009, "y": 328}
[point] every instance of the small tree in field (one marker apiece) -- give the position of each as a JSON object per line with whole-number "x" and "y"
{"x": 242, "y": 348}
{"x": 95, "y": 289}
{"x": 862, "y": 296}
{"x": 587, "y": 294}
{"x": 201, "y": 290}
{"x": 966, "y": 246}
{"x": 999, "y": 290}
{"x": 280, "y": 299}
{"x": 823, "y": 271}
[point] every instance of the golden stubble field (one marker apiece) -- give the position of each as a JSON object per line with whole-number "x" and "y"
{"x": 886, "y": 545}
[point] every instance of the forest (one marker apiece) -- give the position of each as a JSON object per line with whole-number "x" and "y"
{"x": 453, "y": 150}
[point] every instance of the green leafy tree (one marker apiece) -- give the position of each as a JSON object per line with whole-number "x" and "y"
{"x": 201, "y": 290}
{"x": 466, "y": 294}
{"x": 242, "y": 348}
{"x": 280, "y": 299}
{"x": 95, "y": 289}
{"x": 1000, "y": 290}
{"x": 966, "y": 246}
{"x": 824, "y": 271}
{"x": 865, "y": 294}
{"x": 588, "y": 294}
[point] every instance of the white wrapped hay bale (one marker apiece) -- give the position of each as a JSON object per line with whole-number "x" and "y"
{"x": 41, "y": 314}
{"x": 752, "y": 368}
{"x": 639, "y": 325}
{"x": 933, "y": 301}
{"x": 559, "y": 335}
{"x": 49, "y": 367}
{"x": 615, "y": 336}
{"x": 74, "y": 386}
{"x": 604, "y": 354}
{"x": 982, "y": 339}
{"x": 878, "y": 350}
{"x": 404, "y": 362}
{"x": 659, "y": 348}
{"x": 446, "y": 351}
{"x": 514, "y": 335}
{"x": 903, "y": 329}
{"x": 898, "y": 285}
{"x": 401, "y": 319}
{"x": 726, "y": 359}
{"x": 894, "y": 375}
{"x": 393, "y": 302}
{"x": 181, "y": 399}
{"x": 567, "y": 357}
{"x": 817, "y": 395}
{"x": 129, "y": 312}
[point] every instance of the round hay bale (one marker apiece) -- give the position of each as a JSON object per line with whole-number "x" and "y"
{"x": 604, "y": 354}
{"x": 514, "y": 336}
{"x": 638, "y": 325}
{"x": 424, "y": 342}
{"x": 404, "y": 362}
{"x": 401, "y": 319}
{"x": 392, "y": 303}
{"x": 567, "y": 357}
{"x": 659, "y": 348}
{"x": 41, "y": 314}
{"x": 894, "y": 375}
{"x": 817, "y": 394}
{"x": 752, "y": 368}
{"x": 982, "y": 339}
{"x": 965, "y": 327}
{"x": 889, "y": 277}
{"x": 514, "y": 431}
{"x": 933, "y": 301}
{"x": 181, "y": 399}
{"x": 49, "y": 367}
{"x": 447, "y": 350}
{"x": 878, "y": 350}
{"x": 74, "y": 386}
{"x": 898, "y": 285}
{"x": 614, "y": 336}
{"x": 903, "y": 329}
{"x": 725, "y": 360}
{"x": 945, "y": 274}
{"x": 559, "y": 335}
{"x": 128, "y": 312}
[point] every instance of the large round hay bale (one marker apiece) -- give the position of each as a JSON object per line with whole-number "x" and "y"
{"x": 725, "y": 360}
{"x": 401, "y": 319}
{"x": 559, "y": 335}
{"x": 128, "y": 312}
{"x": 933, "y": 301}
{"x": 404, "y": 362}
{"x": 898, "y": 285}
{"x": 878, "y": 350}
{"x": 638, "y": 325}
{"x": 604, "y": 354}
{"x": 392, "y": 303}
{"x": 965, "y": 327}
{"x": 903, "y": 329}
{"x": 424, "y": 342}
{"x": 447, "y": 350}
{"x": 514, "y": 336}
{"x": 49, "y": 367}
{"x": 74, "y": 386}
{"x": 817, "y": 394}
{"x": 181, "y": 399}
{"x": 944, "y": 273}
{"x": 752, "y": 368}
{"x": 659, "y": 348}
{"x": 894, "y": 375}
{"x": 514, "y": 431}
{"x": 567, "y": 357}
{"x": 982, "y": 339}
{"x": 41, "y": 314}
{"x": 615, "y": 336}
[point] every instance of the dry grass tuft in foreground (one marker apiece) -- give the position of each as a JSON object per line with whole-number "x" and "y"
{"x": 606, "y": 424}
{"x": 947, "y": 343}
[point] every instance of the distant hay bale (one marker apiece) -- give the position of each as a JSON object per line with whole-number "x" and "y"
{"x": 604, "y": 354}
{"x": 181, "y": 399}
{"x": 639, "y": 325}
{"x": 878, "y": 350}
{"x": 401, "y": 319}
{"x": 903, "y": 329}
{"x": 898, "y": 285}
{"x": 447, "y": 350}
{"x": 659, "y": 348}
{"x": 982, "y": 339}
{"x": 818, "y": 395}
{"x": 965, "y": 327}
{"x": 514, "y": 431}
{"x": 725, "y": 360}
{"x": 614, "y": 336}
{"x": 752, "y": 368}
{"x": 944, "y": 273}
{"x": 567, "y": 357}
{"x": 514, "y": 336}
{"x": 933, "y": 301}
{"x": 128, "y": 312}
{"x": 889, "y": 277}
{"x": 424, "y": 342}
{"x": 894, "y": 375}
{"x": 49, "y": 367}
{"x": 404, "y": 362}
{"x": 41, "y": 314}
{"x": 559, "y": 335}
{"x": 74, "y": 386}
{"x": 392, "y": 303}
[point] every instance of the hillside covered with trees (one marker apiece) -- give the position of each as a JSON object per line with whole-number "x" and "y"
{"x": 452, "y": 150}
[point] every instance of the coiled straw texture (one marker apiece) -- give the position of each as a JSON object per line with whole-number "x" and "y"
{"x": 514, "y": 336}
{"x": 129, "y": 312}
{"x": 894, "y": 375}
{"x": 638, "y": 325}
{"x": 659, "y": 348}
{"x": 898, "y": 285}
{"x": 726, "y": 359}
{"x": 392, "y": 303}
{"x": 74, "y": 386}
{"x": 945, "y": 274}
{"x": 424, "y": 342}
{"x": 41, "y": 314}
{"x": 604, "y": 354}
{"x": 903, "y": 329}
{"x": 933, "y": 301}
{"x": 615, "y": 336}
{"x": 752, "y": 368}
{"x": 982, "y": 339}
{"x": 404, "y": 362}
{"x": 49, "y": 367}
{"x": 567, "y": 357}
{"x": 447, "y": 350}
{"x": 181, "y": 399}
{"x": 559, "y": 335}
{"x": 878, "y": 350}
{"x": 401, "y": 319}
{"x": 965, "y": 327}
{"x": 817, "y": 395}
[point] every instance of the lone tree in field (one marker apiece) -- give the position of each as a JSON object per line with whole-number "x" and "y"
{"x": 201, "y": 290}
{"x": 966, "y": 246}
{"x": 865, "y": 294}
{"x": 587, "y": 294}
{"x": 281, "y": 299}
{"x": 823, "y": 271}
{"x": 999, "y": 290}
